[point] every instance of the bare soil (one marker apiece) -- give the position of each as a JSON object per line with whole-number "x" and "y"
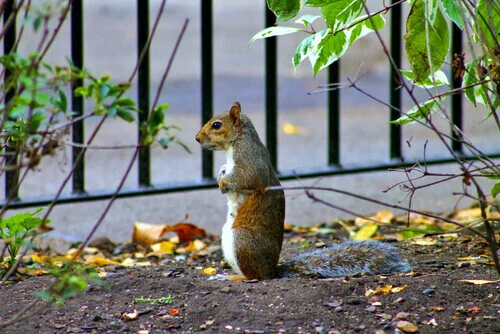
{"x": 433, "y": 298}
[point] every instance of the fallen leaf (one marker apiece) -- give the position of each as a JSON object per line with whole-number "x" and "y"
{"x": 474, "y": 309}
{"x": 406, "y": 327}
{"x": 366, "y": 232}
{"x": 187, "y": 232}
{"x": 424, "y": 241}
{"x": 163, "y": 247}
{"x": 147, "y": 234}
{"x": 384, "y": 290}
{"x": 131, "y": 315}
{"x": 209, "y": 271}
{"x": 290, "y": 129}
{"x": 174, "y": 312}
{"x": 478, "y": 281}
{"x": 437, "y": 308}
{"x": 432, "y": 322}
{"x": 100, "y": 261}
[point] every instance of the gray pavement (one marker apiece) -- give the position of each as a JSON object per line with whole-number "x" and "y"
{"x": 110, "y": 49}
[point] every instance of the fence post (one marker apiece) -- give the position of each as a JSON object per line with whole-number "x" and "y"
{"x": 143, "y": 87}
{"x": 395, "y": 90}
{"x": 334, "y": 115}
{"x": 207, "y": 81}
{"x": 11, "y": 176}
{"x": 456, "y": 99}
{"x": 77, "y": 102}
{"x": 271, "y": 73}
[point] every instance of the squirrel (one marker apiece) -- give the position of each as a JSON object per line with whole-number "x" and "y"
{"x": 253, "y": 233}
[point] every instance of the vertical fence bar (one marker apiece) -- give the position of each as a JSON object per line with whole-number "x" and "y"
{"x": 456, "y": 99}
{"x": 143, "y": 86}
{"x": 395, "y": 91}
{"x": 271, "y": 74}
{"x": 11, "y": 176}
{"x": 207, "y": 81}
{"x": 77, "y": 101}
{"x": 334, "y": 116}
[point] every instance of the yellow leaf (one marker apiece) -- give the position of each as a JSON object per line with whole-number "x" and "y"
{"x": 209, "y": 271}
{"x": 100, "y": 261}
{"x": 398, "y": 288}
{"x": 406, "y": 327}
{"x": 37, "y": 258}
{"x": 478, "y": 281}
{"x": 384, "y": 216}
{"x": 424, "y": 241}
{"x": 163, "y": 247}
{"x": 290, "y": 129}
{"x": 366, "y": 232}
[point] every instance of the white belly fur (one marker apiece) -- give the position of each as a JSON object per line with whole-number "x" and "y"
{"x": 233, "y": 202}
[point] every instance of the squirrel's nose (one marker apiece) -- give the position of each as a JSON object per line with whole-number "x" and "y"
{"x": 197, "y": 139}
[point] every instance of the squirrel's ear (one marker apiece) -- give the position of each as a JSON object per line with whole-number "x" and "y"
{"x": 235, "y": 112}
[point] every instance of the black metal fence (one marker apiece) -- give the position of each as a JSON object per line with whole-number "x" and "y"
{"x": 334, "y": 167}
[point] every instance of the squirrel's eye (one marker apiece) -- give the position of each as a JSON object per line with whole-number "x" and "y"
{"x": 216, "y": 125}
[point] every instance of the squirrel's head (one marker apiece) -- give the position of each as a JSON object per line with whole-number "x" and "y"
{"x": 219, "y": 132}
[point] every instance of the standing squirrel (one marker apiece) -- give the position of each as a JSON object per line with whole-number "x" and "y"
{"x": 253, "y": 233}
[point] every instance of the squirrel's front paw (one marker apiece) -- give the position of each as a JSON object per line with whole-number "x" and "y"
{"x": 222, "y": 172}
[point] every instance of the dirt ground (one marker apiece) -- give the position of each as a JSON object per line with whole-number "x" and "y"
{"x": 431, "y": 299}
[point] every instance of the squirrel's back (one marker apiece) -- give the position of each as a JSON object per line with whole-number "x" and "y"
{"x": 346, "y": 258}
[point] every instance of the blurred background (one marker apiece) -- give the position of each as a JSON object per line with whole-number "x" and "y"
{"x": 110, "y": 48}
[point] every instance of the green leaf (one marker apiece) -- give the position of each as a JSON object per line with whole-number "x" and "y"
{"x": 303, "y": 50}
{"x": 365, "y": 26}
{"x": 418, "y": 112}
{"x": 307, "y": 19}
{"x": 285, "y": 9}
{"x": 273, "y": 31}
{"x": 330, "y": 48}
{"x": 35, "y": 121}
{"x": 452, "y": 10}
{"x": 476, "y": 92}
{"x": 323, "y": 48}
{"x": 81, "y": 91}
{"x": 488, "y": 22}
{"x": 340, "y": 13}
{"x": 63, "y": 101}
{"x": 495, "y": 190}
{"x": 42, "y": 99}
{"x": 423, "y": 37}
{"x": 124, "y": 102}
{"x": 157, "y": 118}
{"x": 104, "y": 90}
{"x": 125, "y": 114}
{"x": 164, "y": 142}
{"x": 470, "y": 78}
{"x": 111, "y": 111}
{"x": 440, "y": 79}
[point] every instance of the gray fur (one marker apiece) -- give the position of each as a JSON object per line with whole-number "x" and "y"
{"x": 347, "y": 258}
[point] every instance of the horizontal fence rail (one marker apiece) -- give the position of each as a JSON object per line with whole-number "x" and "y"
{"x": 334, "y": 167}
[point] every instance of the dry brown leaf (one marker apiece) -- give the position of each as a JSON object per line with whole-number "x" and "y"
{"x": 187, "y": 232}
{"x": 131, "y": 315}
{"x": 147, "y": 234}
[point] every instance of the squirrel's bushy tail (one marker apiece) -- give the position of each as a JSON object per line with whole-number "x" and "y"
{"x": 347, "y": 258}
